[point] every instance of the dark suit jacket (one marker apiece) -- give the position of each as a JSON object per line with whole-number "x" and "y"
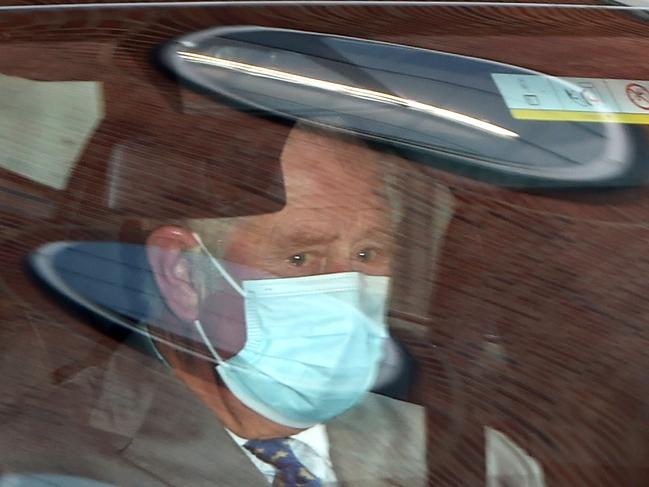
{"x": 130, "y": 422}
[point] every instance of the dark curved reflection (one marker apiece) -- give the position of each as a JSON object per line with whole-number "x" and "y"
{"x": 444, "y": 109}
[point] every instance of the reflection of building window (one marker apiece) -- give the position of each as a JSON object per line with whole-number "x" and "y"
{"x": 45, "y": 125}
{"x": 423, "y": 234}
{"x": 508, "y": 464}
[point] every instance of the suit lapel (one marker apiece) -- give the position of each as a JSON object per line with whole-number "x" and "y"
{"x": 176, "y": 438}
{"x": 379, "y": 443}
{"x": 355, "y": 463}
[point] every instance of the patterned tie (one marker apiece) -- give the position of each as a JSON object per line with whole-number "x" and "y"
{"x": 278, "y": 453}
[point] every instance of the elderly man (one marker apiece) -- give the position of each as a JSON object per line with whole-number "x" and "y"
{"x": 271, "y": 337}
{"x": 293, "y": 315}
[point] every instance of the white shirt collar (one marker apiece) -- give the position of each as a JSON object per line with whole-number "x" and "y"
{"x": 315, "y": 436}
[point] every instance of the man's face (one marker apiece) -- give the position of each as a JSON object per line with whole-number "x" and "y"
{"x": 336, "y": 218}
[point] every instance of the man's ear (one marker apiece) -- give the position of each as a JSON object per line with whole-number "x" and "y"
{"x": 166, "y": 250}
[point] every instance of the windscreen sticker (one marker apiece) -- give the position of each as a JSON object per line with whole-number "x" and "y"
{"x": 539, "y": 97}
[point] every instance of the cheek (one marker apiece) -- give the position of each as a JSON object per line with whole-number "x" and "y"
{"x": 380, "y": 268}
{"x": 385, "y": 268}
{"x": 223, "y": 318}
{"x": 246, "y": 254}
{"x": 240, "y": 254}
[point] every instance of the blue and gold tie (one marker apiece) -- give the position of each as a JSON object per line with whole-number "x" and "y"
{"x": 278, "y": 453}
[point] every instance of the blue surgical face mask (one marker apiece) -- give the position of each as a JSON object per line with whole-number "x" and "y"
{"x": 313, "y": 344}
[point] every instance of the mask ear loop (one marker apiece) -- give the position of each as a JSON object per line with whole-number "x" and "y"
{"x": 226, "y": 275}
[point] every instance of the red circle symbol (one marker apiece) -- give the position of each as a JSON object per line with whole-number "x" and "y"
{"x": 638, "y": 94}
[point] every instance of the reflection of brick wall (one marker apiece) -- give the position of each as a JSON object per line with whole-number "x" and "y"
{"x": 543, "y": 319}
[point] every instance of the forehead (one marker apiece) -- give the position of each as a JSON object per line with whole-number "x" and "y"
{"x": 322, "y": 169}
{"x": 327, "y": 177}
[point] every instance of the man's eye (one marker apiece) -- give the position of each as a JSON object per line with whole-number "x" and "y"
{"x": 297, "y": 259}
{"x": 365, "y": 255}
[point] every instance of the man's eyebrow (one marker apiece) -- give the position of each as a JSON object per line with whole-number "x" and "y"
{"x": 304, "y": 236}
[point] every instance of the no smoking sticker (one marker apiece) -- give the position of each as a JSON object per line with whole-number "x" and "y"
{"x": 638, "y": 94}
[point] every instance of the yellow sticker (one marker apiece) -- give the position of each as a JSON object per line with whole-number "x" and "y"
{"x": 539, "y": 97}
